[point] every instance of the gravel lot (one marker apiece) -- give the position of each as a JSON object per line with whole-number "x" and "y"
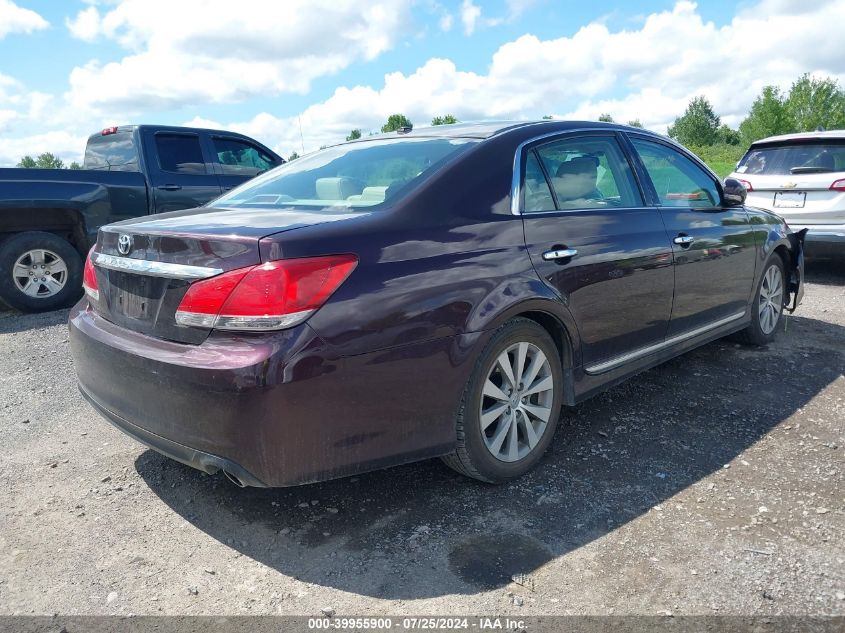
{"x": 710, "y": 485}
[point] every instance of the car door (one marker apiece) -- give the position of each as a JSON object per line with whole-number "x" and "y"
{"x": 592, "y": 238}
{"x": 236, "y": 160}
{"x": 712, "y": 244}
{"x": 179, "y": 171}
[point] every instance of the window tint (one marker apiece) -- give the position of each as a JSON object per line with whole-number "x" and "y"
{"x": 536, "y": 193}
{"x": 679, "y": 181}
{"x": 180, "y": 153}
{"x": 352, "y": 175}
{"x": 240, "y": 158}
{"x": 588, "y": 173}
{"x": 794, "y": 158}
{"x": 112, "y": 152}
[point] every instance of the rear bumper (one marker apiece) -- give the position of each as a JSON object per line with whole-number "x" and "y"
{"x": 200, "y": 460}
{"x": 273, "y": 410}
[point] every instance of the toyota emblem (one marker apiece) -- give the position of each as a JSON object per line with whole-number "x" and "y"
{"x": 124, "y": 244}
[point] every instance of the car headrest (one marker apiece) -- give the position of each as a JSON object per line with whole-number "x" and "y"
{"x": 339, "y": 188}
{"x": 579, "y": 165}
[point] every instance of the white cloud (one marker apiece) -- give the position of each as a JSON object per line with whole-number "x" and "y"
{"x": 216, "y": 51}
{"x": 14, "y": 19}
{"x": 657, "y": 68}
{"x": 65, "y": 145}
{"x": 649, "y": 71}
{"x": 445, "y": 22}
{"x": 470, "y": 13}
{"x": 86, "y": 25}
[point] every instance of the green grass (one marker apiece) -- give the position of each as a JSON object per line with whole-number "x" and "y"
{"x": 722, "y": 168}
{"x": 720, "y": 158}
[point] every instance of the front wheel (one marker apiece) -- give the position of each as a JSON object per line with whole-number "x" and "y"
{"x": 39, "y": 271}
{"x": 511, "y": 405}
{"x": 768, "y": 304}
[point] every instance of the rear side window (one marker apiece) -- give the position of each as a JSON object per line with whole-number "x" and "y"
{"x": 679, "y": 181}
{"x": 112, "y": 152}
{"x": 794, "y": 158}
{"x": 180, "y": 153}
{"x": 579, "y": 173}
{"x": 239, "y": 158}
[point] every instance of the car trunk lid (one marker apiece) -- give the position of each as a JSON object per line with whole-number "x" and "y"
{"x": 144, "y": 267}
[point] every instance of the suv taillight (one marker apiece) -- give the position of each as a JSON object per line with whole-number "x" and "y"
{"x": 89, "y": 278}
{"x": 269, "y": 296}
{"x": 746, "y": 184}
{"x": 838, "y": 185}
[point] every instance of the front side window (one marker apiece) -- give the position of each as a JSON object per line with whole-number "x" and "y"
{"x": 805, "y": 157}
{"x": 579, "y": 173}
{"x": 180, "y": 153}
{"x": 679, "y": 182}
{"x": 356, "y": 175}
{"x": 239, "y": 158}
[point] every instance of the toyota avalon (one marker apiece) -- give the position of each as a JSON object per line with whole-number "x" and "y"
{"x": 440, "y": 292}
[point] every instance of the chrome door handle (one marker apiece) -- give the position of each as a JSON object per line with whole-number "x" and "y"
{"x": 684, "y": 240}
{"x": 563, "y": 253}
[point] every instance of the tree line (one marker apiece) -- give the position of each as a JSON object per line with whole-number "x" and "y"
{"x": 46, "y": 161}
{"x": 810, "y": 103}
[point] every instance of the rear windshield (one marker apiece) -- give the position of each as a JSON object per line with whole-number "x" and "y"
{"x": 112, "y": 152}
{"x": 794, "y": 158}
{"x": 354, "y": 175}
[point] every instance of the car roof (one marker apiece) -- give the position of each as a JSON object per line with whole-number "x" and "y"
{"x": 488, "y": 129}
{"x": 802, "y": 136}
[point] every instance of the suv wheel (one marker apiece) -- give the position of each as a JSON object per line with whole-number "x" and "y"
{"x": 511, "y": 405}
{"x": 39, "y": 271}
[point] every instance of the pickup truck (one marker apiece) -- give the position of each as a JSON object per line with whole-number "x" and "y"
{"x": 49, "y": 217}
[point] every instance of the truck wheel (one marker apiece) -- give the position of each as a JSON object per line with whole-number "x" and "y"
{"x": 39, "y": 271}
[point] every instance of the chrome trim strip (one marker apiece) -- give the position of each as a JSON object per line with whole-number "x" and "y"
{"x": 152, "y": 268}
{"x": 613, "y": 363}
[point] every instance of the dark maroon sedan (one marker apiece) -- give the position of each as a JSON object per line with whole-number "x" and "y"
{"x": 436, "y": 293}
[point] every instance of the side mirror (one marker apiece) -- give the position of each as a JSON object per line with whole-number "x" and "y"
{"x": 734, "y": 192}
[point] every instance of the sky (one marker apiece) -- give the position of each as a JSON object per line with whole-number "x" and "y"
{"x": 299, "y": 74}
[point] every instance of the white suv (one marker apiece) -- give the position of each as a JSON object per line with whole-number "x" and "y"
{"x": 801, "y": 177}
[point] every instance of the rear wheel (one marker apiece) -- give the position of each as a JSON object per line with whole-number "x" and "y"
{"x": 39, "y": 271}
{"x": 511, "y": 405}
{"x": 767, "y": 307}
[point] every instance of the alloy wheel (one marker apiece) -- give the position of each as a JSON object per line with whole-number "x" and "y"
{"x": 516, "y": 401}
{"x": 40, "y": 273}
{"x": 771, "y": 299}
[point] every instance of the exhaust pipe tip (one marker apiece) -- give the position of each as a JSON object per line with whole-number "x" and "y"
{"x": 234, "y": 479}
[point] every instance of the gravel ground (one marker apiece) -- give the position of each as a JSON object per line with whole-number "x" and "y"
{"x": 710, "y": 485}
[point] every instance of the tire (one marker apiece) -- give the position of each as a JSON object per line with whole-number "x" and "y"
{"x": 59, "y": 267}
{"x": 476, "y": 454}
{"x": 766, "y": 308}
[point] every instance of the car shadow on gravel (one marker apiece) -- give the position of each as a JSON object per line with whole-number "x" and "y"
{"x": 421, "y": 531}
{"x": 825, "y": 272}
{"x": 12, "y": 321}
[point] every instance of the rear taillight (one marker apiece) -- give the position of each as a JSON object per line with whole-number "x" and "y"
{"x": 89, "y": 279}
{"x": 746, "y": 184}
{"x": 838, "y": 185}
{"x": 269, "y": 296}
